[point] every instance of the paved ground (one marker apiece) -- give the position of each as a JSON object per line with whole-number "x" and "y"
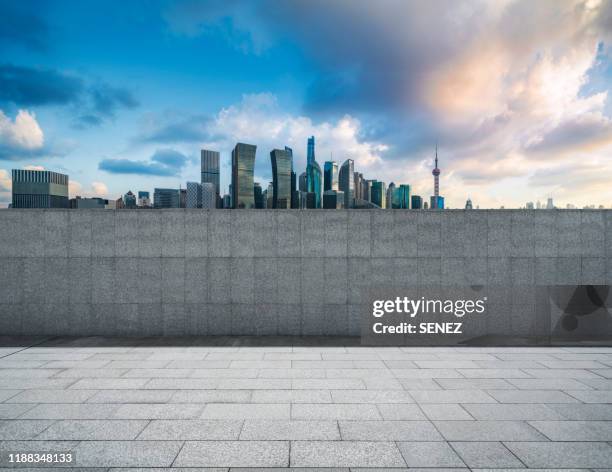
{"x": 137, "y": 404}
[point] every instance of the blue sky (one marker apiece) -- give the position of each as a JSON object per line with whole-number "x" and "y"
{"x": 122, "y": 95}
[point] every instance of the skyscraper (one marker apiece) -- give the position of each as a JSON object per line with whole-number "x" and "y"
{"x": 167, "y": 198}
{"x": 258, "y": 195}
{"x": 403, "y": 192}
{"x": 295, "y": 195}
{"x": 379, "y": 194}
{"x": 313, "y": 174}
{"x": 209, "y": 196}
{"x": 243, "y": 164}
{"x": 39, "y": 189}
{"x": 358, "y": 185}
{"x": 209, "y": 161}
{"x": 416, "y": 202}
{"x": 330, "y": 176}
{"x": 281, "y": 178}
{"x": 392, "y": 197}
{"x": 194, "y": 195}
{"x": 346, "y": 182}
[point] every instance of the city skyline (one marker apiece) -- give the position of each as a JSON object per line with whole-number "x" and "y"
{"x": 125, "y": 97}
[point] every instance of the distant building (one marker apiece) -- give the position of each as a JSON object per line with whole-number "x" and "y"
{"x": 92, "y": 203}
{"x": 227, "y": 201}
{"x": 281, "y": 177}
{"x": 144, "y": 199}
{"x": 436, "y": 203}
{"x": 258, "y": 195}
{"x": 194, "y": 195}
{"x": 167, "y": 198}
{"x": 379, "y": 194}
{"x": 295, "y": 195}
{"x": 243, "y": 164}
{"x": 210, "y": 199}
{"x": 183, "y": 198}
{"x": 358, "y": 186}
{"x": 549, "y": 204}
{"x": 403, "y": 196}
{"x": 346, "y": 181}
{"x": 333, "y": 199}
{"x": 529, "y": 206}
{"x": 129, "y": 200}
{"x": 391, "y": 196}
{"x": 468, "y": 204}
{"x": 269, "y": 195}
{"x": 416, "y": 202}
{"x": 209, "y": 166}
{"x": 330, "y": 176}
{"x": 39, "y": 189}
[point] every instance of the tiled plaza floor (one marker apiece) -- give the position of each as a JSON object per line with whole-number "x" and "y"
{"x": 132, "y": 404}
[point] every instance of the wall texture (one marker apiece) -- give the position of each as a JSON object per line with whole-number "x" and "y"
{"x": 267, "y": 272}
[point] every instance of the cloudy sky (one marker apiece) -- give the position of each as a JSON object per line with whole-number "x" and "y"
{"x": 122, "y": 95}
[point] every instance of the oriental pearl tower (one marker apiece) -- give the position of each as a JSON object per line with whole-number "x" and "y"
{"x": 436, "y": 174}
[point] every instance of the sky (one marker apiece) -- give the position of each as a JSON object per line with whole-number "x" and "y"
{"x": 123, "y": 95}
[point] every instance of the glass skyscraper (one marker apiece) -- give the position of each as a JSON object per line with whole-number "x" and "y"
{"x": 281, "y": 177}
{"x": 209, "y": 161}
{"x": 330, "y": 176}
{"x": 167, "y": 198}
{"x": 314, "y": 176}
{"x": 346, "y": 182}
{"x": 379, "y": 194}
{"x": 243, "y": 164}
{"x": 403, "y": 192}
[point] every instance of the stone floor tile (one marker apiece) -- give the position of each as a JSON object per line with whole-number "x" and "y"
{"x": 327, "y": 384}
{"x": 22, "y": 429}
{"x": 575, "y": 430}
{"x": 408, "y": 412}
{"x": 179, "y": 384}
{"x": 493, "y": 373}
{"x": 580, "y": 411}
{"x": 158, "y": 411}
{"x": 548, "y": 384}
{"x": 131, "y": 396}
{"x": 429, "y": 454}
{"x": 52, "y": 396}
{"x": 371, "y": 396}
{"x": 278, "y": 430}
{"x": 211, "y": 396}
{"x": 488, "y": 431}
{"x": 531, "y": 396}
{"x": 486, "y": 454}
{"x": 92, "y": 430}
{"x": 10, "y": 411}
{"x": 563, "y": 454}
{"x": 451, "y": 396}
{"x": 158, "y": 373}
{"x": 592, "y": 396}
{"x": 426, "y": 373}
{"x": 345, "y": 454}
{"x": 388, "y": 431}
{"x": 246, "y": 411}
{"x": 254, "y": 384}
{"x": 511, "y": 411}
{"x": 192, "y": 430}
{"x": 233, "y": 454}
{"x": 320, "y": 411}
{"x": 70, "y": 411}
{"x": 126, "y": 453}
{"x": 475, "y": 384}
{"x": 291, "y": 396}
{"x": 445, "y": 411}
{"x": 108, "y": 384}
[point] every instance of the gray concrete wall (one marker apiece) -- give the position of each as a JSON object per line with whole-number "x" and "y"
{"x": 266, "y": 272}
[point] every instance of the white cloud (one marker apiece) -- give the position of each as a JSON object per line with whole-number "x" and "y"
{"x": 22, "y": 133}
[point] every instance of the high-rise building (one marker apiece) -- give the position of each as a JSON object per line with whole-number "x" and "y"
{"x": 258, "y": 195}
{"x": 330, "y": 176}
{"x": 367, "y": 185}
{"x": 209, "y": 165}
{"x": 227, "y": 201}
{"x": 39, "y": 189}
{"x": 243, "y": 165}
{"x": 468, "y": 204}
{"x": 269, "y": 198}
{"x": 210, "y": 198}
{"x": 303, "y": 186}
{"x": 129, "y": 200}
{"x": 358, "y": 185}
{"x": 392, "y": 198}
{"x": 314, "y": 175}
{"x": 167, "y": 198}
{"x": 416, "y": 202}
{"x": 379, "y": 194}
{"x": 144, "y": 199}
{"x": 295, "y": 195}
{"x": 436, "y": 203}
{"x": 333, "y": 199}
{"x": 310, "y": 151}
{"x": 346, "y": 182}
{"x": 281, "y": 178}
{"x": 403, "y": 193}
{"x": 183, "y": 198}
{"x": 549, "y": 204}
{"x": 194, "y": 195}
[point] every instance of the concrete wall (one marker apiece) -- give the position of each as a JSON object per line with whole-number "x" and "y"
{"x": 174, "y": 272}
